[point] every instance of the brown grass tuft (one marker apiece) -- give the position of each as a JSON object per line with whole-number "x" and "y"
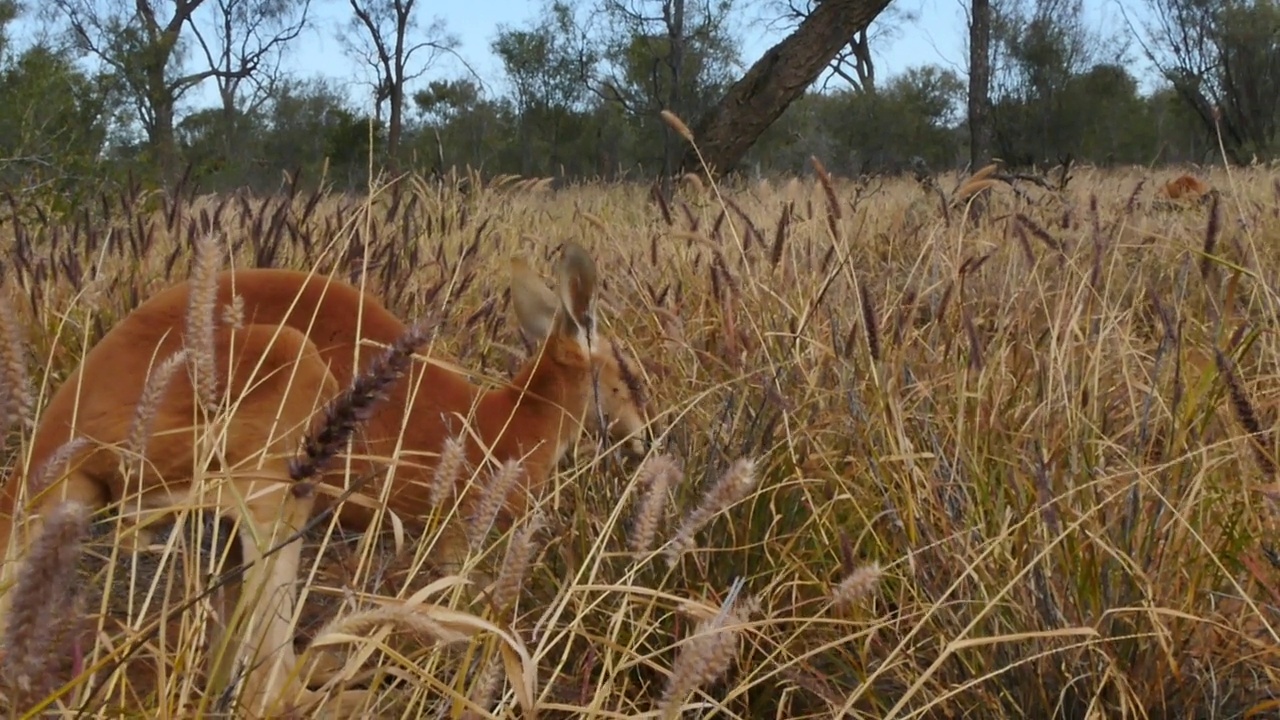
{"x": 45, "y": 607}
{"x": 516, "y": 561}
{"x": 1041, "y": 447}
{"x": 693, "y": 184}
{"x": 834, "y": 213}
{"x": 486, "y": 686}
{"x": 450, "y": 470}
{"x": 869, "y": 320}
{"x": 233, "y": 314}
{"x": 43, "y": 476}
{"x": 1210, "y": 245}
{"x": 1245, "y": 413}
{"x": 402, "y": 616}
{"x": 856, "y": 585}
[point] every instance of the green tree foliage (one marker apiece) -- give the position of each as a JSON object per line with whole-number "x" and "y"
{"x": 1112, "y": 123}
{"x": 312, "y": 128}
{"x": 1248, "y": 40}
{"x": 147, "y": 45}
{"x": 545, "y": 66}
{"x": 1042, "y": 49}
{"x": 243, "y": 46}
{"x": 676, "y": 55}
{"x": 54, "y": 123}
{"x": 462, "y": 128}
{"x": 8, "y": 13}
{"x": 915, "y": 115}
{"x": 199, "y": 137}
{"x": 1223, "y": 60}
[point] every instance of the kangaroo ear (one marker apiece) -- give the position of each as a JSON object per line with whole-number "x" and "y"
{"x": 578, "y": 286}
{"x": 535, "y": 305}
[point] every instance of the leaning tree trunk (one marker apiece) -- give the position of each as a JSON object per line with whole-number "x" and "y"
{"x": 776, "y": 80}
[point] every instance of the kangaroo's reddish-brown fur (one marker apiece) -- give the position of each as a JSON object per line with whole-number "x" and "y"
{"x": 295, "y": 352}
{"x": 1184, "y": 187}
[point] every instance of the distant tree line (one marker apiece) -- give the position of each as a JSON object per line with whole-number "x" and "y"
{"x": 101, "y": 92}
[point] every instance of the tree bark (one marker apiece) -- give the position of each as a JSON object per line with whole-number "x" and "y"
{"x": 776, "y": 80}
{"x": 674, "y": 12}
{"x": 163, "y": 141}
{"x": 395, "y": 123}
{"x": 162, "y": 134}
{"x": 980, "y": 84}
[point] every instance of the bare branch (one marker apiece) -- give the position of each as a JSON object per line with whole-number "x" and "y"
{"x": 383, "y": 28}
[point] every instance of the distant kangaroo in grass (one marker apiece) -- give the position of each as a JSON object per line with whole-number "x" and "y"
{"x": 1184, "y": 187}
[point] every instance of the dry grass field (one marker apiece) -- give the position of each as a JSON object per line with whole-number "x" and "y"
{"x": 908, "y": 464}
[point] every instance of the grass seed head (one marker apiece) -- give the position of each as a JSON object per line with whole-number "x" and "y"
{"x": 856, "y": 585}
{"x": 656, "y": 476}
{"x": 516, "y": 562}
{"x": 43, "y": 604}
{"x": 149, "y": 402}
{"x": 733, "y": 486}
{"x": 492, "y": 500}
{"x": 233, "y": 313}
{"x": 450, "y": 470}
{"x": 345, "y": 413}
{"x": 678, "y": 125}
{"x": 707, "y": 655}
{"x": 200, "y": 319}
{"x": 18, "y": 398}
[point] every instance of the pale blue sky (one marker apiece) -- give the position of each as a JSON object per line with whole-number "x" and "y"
{"x": 936, "y": 37}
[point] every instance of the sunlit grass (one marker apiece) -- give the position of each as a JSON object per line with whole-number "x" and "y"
{"x": 985, "y": 467}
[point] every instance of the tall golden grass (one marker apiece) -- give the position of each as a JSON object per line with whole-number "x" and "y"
{"x": 913, "y": 460}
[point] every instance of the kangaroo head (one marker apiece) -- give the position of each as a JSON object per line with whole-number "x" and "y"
{"x": 616, "y": 408}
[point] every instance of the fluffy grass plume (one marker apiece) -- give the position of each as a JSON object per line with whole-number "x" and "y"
{"x": 657, "y": 475}
{"x": 17, "y": 403}
{"x": 149, "y": 401}
{"x": 42, "y": 625}
{"x": 200, "y": 319}
{"x": 344, "y": 414}
{"x": 1018, "y": 463}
